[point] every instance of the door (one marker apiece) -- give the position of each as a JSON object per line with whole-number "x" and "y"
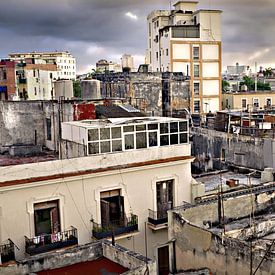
{"x": 163, "y": 260}
{"x": 105, "y": 213}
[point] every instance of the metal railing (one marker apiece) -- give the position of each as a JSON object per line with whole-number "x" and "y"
{"x": 160, "y": 216}
{"x": 7, "y": 251}
{"x": 115, "y": 227}
{"x": 47, "y": 242}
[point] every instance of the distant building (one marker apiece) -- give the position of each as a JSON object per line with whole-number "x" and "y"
{"x": 7, "y": 80}
{"x": 188, "y": 40}
{"x": 65, "y": 62}
{"x": 248, "y": 100}
{"x": 35, "y": 80}
{"x": 236, "y": 71}
{"x": 104, "y": 66}
{"x": 127, "y": 62}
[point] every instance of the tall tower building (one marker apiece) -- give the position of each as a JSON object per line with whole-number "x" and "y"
{"x": 188, "y": 40}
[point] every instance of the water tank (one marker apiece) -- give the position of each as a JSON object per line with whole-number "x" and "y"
{"x": 90, "y": 89}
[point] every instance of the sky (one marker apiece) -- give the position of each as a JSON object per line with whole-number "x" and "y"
{"x": 106, "y": 29}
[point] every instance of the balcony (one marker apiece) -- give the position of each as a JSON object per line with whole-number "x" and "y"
{"x": 22, "y": 81}
{"x": 48, "y": 242}
{"x": 123, "y": 226}
{"x": 158, "y": 219}
{"x": 7, "y": 251}
{"x": 186, "y": 31}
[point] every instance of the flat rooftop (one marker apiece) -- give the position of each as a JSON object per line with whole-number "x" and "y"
{"x": 96, "y": 267}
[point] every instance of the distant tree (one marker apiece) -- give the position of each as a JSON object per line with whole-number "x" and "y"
{"x": 250, "y": 83}
{"x": 268, "y": 72}
{"x": 77, "y": 88}
{"x": 225, "y": 86}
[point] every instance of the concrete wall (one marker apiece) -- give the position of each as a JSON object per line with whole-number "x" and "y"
{"x": 198, "y": 248}
{"x": 247, "y": 151}
{"x": 89, "y": 252}
{"x": 24, "y": 122}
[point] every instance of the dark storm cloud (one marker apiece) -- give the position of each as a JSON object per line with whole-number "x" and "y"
{"x": 93, "y": 29}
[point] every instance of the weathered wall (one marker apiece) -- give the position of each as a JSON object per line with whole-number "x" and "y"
{"x": 156, "y": 94}
{"x": 236, "y": 207}
{"x": 135, "y": 262}
{"x": 199, "y": 248}
{"x": 247, "y": 151}
{"x": 24, "y": 122}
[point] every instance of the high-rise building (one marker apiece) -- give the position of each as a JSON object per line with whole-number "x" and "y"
{"x": 188, "y": 40}
{"x": 66, "y": 63}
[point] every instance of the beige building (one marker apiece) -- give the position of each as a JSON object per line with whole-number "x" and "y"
{"x": 65, "y": 62}
{"x": 136, "y": 170}
{"x": 188, "y": 40}
{"x": 248, "y": 100}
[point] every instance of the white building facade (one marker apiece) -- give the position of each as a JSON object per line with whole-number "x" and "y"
{"x": 188, "y": 40}
{"x": 66, "y": 63}
{"x": 125, "y": 192}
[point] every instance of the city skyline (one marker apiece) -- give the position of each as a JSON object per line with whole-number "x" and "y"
{"x": 93, "y": 30}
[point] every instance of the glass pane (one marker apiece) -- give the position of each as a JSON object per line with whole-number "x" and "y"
{"x": 164, "y": 140}
{"x": 141, "y": 127}
{"x": 141, "y": 141}
{"x": 163, "y": 128}
{"x": 105, "y": 146}
{"x": 105, "y": 133}
{"x": 116, "y": 145}
{"x": 183, "y": 138}
{"x": 183, "y": 126}
{"x": 93, "y": 134}
{"x": 174, "y": 127}
{"x": 129, "y": 142}
{"x": 153, "y": 139}
{"x": 174, "y": 139}
{"x": 152, "y": 126}
{"x": 116, "y": 132}
{"x": 128, "y": 128}
{"x": 93, "y": 148}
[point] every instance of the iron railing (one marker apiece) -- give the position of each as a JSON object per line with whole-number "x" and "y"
{"x": 117, "y": 227}
{"x": 48, "y": 242}
{"x": 7, "y": 251}
{"x": 160, "y": 216}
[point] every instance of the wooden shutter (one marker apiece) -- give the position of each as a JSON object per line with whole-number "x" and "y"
{"x": 105, "y": 213}
{"x": 55, "y": 220}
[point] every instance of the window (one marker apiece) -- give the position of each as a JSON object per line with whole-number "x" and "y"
{"x": 157, "y": 55}
{"x": 196, "y": 70}
{"x": 112, "y": 208}
{"x": 49, "y": 128}
{"x": 167, "y": 52}
{"x": 35, "y": 91}
{"x": 196, "y": 88}
{"x": 268, "y": 102}
{"x": 256, "y": 102}
{"x": 244, "y": 103}
{"x": 196, "y": 52}
{"x": 197, "y": 108}
{"x": 186, "y": 32}
{"x": 46, "y": 218}
{"x": 165, "y": 197}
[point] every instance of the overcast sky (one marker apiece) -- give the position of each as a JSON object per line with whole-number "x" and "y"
{"x": 105, "y": 29}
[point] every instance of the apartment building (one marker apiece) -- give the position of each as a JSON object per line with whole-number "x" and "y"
{"x": 188, "y": 40}
{"x": 136, "y": 169}
{"x": 7, "y": 80}
{"x": 251, "y": 100}
{"x": 35, "y": 81}
{"x": 65, "y": 62}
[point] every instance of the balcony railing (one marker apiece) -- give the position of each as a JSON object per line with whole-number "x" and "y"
{"x": 7, "y": 251}
{"x": 48, "y": 242}
{"x": 122, "y": 226}
{"x": 160, "y": 216}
